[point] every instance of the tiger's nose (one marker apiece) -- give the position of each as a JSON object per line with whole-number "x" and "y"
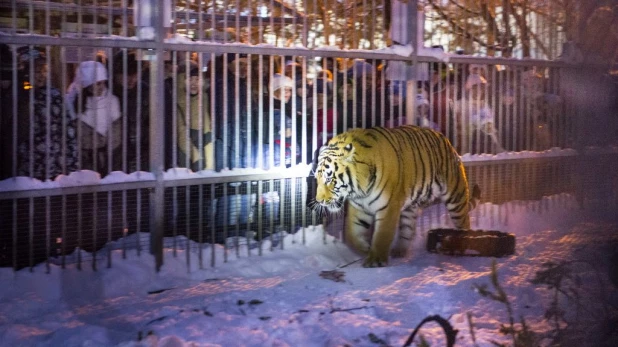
{"x": 320, "y": 196}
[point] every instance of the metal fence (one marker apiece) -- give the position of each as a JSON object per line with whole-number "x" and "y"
{"x": 204, "y": 124}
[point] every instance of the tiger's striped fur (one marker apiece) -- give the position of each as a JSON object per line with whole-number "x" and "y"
{"x": 386, "y": 176}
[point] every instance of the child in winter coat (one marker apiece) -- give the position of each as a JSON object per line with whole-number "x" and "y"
{"x": 281, "y": 92}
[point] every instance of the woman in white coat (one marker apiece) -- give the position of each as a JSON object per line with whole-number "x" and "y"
{"x": 99, "y": 113}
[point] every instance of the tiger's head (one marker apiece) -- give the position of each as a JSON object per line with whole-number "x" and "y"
{"x": 336, "y": 172}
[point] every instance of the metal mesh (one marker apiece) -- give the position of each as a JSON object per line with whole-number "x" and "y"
{"x": 204, "y": 143}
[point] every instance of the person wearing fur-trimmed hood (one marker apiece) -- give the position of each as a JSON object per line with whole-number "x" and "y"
{"x": 98, "y": 110}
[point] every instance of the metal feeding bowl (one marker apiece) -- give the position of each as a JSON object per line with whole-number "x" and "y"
{"x": 479, "y": 243}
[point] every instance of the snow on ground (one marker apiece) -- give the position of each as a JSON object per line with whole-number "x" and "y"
{"x": 280, "y": 299}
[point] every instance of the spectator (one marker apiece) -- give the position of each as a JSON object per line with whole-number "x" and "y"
{"x": 130, "y": 88}
{"x": 397, "y": 104}
{"x": 280, "y": 93}
{"x": 193, "y": 121}
{"x": 439, "y": 96}
{"x": 98, "y": 111}
{"x": 231, "y": 112}
{"x": 325, "y": 111}
{"x": 37, "y": 157}
{"x": 423, "y": 117}
{"x": 476, "y": 123}
{"x": 361, "y": 75}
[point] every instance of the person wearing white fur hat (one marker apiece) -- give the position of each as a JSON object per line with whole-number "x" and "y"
{"x": 280, "y": 88}
{"x": 99, "y": 113}
{"x": 474, "y": 114}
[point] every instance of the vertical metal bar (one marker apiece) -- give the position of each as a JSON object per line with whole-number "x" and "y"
{"x": 125, "y": 115}
{"x": 294, "y": 113}
{"x": 109, "y": 228}
{"x": 448, "y": 106}
{"x": 304, "y": 139}
{"x": 124, "y": 18}
{"x": 260, "y": 217}
{"x": 226, "y": 116}
{"x": 239, "y": 212}
{"x": 200, "y": 226}
{"x": 260, "y": 115}
{"x": 63, "y": 231}
{"x": 213, "y": 205}
{"x": 306, "y": 26}
{"x": 561, "y": 112}
{"x": 31, "y": 120}
{"x": 79, "y": 231}
{"x": 530, "y": 113}
{"x": 501, "y": 107}
{"x": 125, "y": 225}
{"x": 354, "y": 95}
{"x": 188, "y": 227}
{"x": 335, "y": 101}
{"x": 323, "y": 102}
{"x": 95, "y": 217}
{"x": 47, "y": 235}
{"x": 281, "y": 120}
{"x": 282, "y": 199}
{"x": 294, "y": 182}
{"x": 31, "y": 234}
{"x": 236, "y": 144}
{"x": 226, "y": 218}
{"x": 373, "y": 92}
{"x": 271, "y": 119}
{"x": 157, "y": 132}
{"x": 175, "y": 218}
{"x": 510, "y": 110}
{"x": 250, "y": 219}
{"x": 303, "y": 198}
{"x": 249, "y": 110}
{"x": 271, "y": 212}
{"x": 517, "y": 121}
{"x": 344, "y": 98}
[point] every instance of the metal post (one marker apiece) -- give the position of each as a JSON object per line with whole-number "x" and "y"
{"x": 154, "y": 29}
{"x": 404, "y": 30}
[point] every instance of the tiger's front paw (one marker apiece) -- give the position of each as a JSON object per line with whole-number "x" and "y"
{"x": 375, "y": 260}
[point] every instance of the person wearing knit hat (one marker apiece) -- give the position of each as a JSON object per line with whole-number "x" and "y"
{"x": 281, "y": 87}
{"x": 99, "y": 113}
{"x": 193, "y": 119}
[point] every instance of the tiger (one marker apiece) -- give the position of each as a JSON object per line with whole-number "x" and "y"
{"x": 384, "y": 176}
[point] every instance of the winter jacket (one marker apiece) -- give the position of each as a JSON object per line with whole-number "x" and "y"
{"x": 194, "y": 128}
{"x": 43, "y": 161}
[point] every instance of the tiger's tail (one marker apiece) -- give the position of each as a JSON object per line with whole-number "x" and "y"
{"x": 475, "y": 197}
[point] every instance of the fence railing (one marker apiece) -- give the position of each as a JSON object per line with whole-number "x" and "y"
{"x": 213, "y": 141}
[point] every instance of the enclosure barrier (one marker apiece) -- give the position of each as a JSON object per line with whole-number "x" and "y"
{"x": 115, "y": 139}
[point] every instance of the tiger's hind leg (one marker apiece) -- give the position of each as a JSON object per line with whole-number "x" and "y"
{"x": 406, "y": 232}
{"x": 457, "y": 206}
